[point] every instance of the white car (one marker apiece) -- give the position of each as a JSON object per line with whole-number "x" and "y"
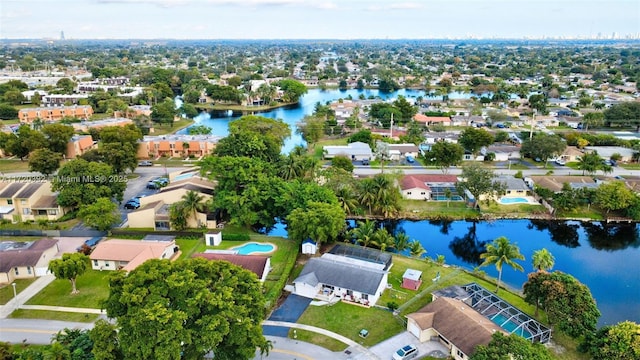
{"x": 406, "y": 352}
{"x": 560, "y": 162}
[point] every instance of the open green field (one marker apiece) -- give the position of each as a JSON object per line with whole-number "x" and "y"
{"x": 514, "y": 210}
{"x": 13, "y": 165}
{"x": 93, "y": 286}
{"x": 6, "y": 290}
{"x": 437, "y": 210}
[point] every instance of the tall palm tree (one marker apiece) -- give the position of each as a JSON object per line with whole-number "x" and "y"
{"x": 364, "y": 232}
{"x": 499, "y": 252}
{"x": 543, "y": 259}
{"x": 291, "y": 167}
{"x": 416, "y": 249}
{"x": 192, "y": 202}
{"x": 368, "y": 193}
{"x": 56, "y": 351}
{"x": 401, "y": 241}
{"x": 347, "y": 199}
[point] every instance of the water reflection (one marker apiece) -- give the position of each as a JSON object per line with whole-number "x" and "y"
{"x": 562, "y": 232}
{"x": 612, "y": 237}
{"x": 467, "y": 247}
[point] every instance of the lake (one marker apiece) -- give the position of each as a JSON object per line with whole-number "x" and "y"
{"x": 603, "y": 257}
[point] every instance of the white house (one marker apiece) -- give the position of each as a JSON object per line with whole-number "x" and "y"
{"x": 354, "y": 151}
{"x": 117, "y": 254}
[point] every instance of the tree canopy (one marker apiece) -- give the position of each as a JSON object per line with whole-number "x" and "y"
{"x": 473, "y": 139}
{"x": 182, "y": 310}
{"x": 512, "y": 347}
{"x": 478, "y": 181}
{"x": 69, "y": 267}
{"x": 501, "y": 252}
{"x": 445, "y": 154}
{"x": 80, "y": 182}
{"x": 543, "y": 146}
{"x": 620, "y": 342}
{"x": 318, "y": 221}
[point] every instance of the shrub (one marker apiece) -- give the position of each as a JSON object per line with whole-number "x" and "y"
{"x": 518, "y": 175}
{"x": 392, "y": 305}
{"x": 235, "y": 237}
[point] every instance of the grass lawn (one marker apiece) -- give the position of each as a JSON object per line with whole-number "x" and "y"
{"x": 519, "y": 210}
{"x": 437, "y": 209}
{"x": 93, "y": 286}
{"x": 53, "y": 315}
{"x": 348, "y": 320}
{"x": 190, "y": 247}
{"x": 582, "y": 212}
{"x": 634, "y": 166}
{"x": 168, "y": 129}
{"x": 317, "y": 339}
{"x": 6, "y": 290}
{"x": 13, "y": 165}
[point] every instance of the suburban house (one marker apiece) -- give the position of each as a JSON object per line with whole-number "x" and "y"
{"x": 344, "y": 109}
{"x": 504, "y": 152}
{"x": 63, "y": 99}
{"x": 51, "y": 114}
{"x": 25, "y": 259}
{"x": 555, "y": 183}
{"x": 463, "y": 317}
{"x": 352, "y": 274}
{"x": 454, "y": 324}
{"x": 181, "y": 146}
{"x": 432, "y": 120}
{"x": 80, "y": 144}
{"x": 354, "y": 151}
{"x": 154, "y": 209}
{"x": 626, "y": 154}
{"x": 22, "y": 201}
{"x": 434, "y": 137}
{"x": 257, "y": 264}
{"x": 85, "y": 126}
{"x": 514, "y": 187}
{"x": 400, "y": 151}
{"x": 117, "y": 254}
{"x": 428, "y": 187}
{"x": 571, "y": 154}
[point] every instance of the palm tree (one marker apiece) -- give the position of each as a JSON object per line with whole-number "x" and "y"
{"x": 368, "y": 193}
{"x": 347, "y": 199}
{"x": 364, "y": 232}
{"x": 382, "y": 239}
{"x": 447, "y": 195}
{"x": 542, "y": 259}
{"x": 56, "y": 351}
{"x": 401, "y": 241}
{"x": 192, "y": 202}
{"x": 501, "y": 252}
{"x": 291, "y": 167}
{"x": 416, "y": 249}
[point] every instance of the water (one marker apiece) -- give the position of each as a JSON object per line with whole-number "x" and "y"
{"x": 253, "y": 248}
{"x": 500, "y": 319}
{"x": 513, "y": 200}
{"x": 603, "y": 257}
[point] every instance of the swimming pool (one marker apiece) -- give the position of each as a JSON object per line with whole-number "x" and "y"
{"x": 254, "y": 248}
{"x": 513, "y": 200}
{"x": 510, "y": 326}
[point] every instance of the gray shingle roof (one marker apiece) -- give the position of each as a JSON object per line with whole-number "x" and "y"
{"x": 342, "y": 275}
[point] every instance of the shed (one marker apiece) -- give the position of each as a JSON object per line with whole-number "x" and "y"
{"x": 412, "y": 279}
{"x": 309, "y": 247}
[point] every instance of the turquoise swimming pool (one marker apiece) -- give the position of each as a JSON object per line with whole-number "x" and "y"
{"x": 513, "y": 200}
{"x": 254, "y": 248}
{"x": 510, "y": 326}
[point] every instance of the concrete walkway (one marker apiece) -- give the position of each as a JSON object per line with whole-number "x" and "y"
{"x": 62, "y": 308}
{"x": 25, "y": 295}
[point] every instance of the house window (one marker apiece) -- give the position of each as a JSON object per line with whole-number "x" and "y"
{"x": 508, "y": 191}
{"x": 443, "y": 339}
{"x": 9, "y": 202}
{"x": 350, "y": 292}
{"x": 423, "y": 193}
{"x": 408, "y": 192}
{"x": 52, "y": 212}
{"x": 172, "y": 146}
{"x": 15, "y": 269}
{"x": 365, "y": 296}
{"x": 95, "y": 262}
{"x": 23, "y": 201}
{"x": 29, "y": 270}
{"x": 106, "y": 264}
{"x": 26, "y": 211}
{"x": 460, "y": 353}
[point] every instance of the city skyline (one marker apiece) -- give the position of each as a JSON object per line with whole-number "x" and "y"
{"x": 308, "y": 19}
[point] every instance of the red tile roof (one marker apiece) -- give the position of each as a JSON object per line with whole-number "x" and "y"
{"x": 418, "y": 181}
{"x": 253, "y": 263}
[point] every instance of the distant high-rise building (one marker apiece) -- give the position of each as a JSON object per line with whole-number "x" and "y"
{"x": 61, "y": 35}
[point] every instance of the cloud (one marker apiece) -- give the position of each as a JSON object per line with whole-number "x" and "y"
{"x": 244, "y": 3}
{"x": 396, "y": 6}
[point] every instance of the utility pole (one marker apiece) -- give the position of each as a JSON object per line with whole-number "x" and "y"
{"x": 391, "y": 127}
{"x": 533, "y": 119}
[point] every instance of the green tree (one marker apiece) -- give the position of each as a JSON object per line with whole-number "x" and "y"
{"x": 101, "y": 215}
{"x": 178, "y": 215}
{"x": 503, "y": 347}
{"x": 500, "y": 252}
{"x": 66, "y": 85}
{"x": 24, "y": 141}
{"x": 57, "y": 136}
{"x": 165, "y": 310}
{"x": 542, "y": 260}
{"x": 8, "y": 112}
{"x": 539, "y": 103}
{"x": 478, "y": 181}
{"x": 614, "y": 196}
{"x": 105, "y": 341}
{"x": 416, "y": 249}
{"x": 619, "y": 342}
{"x": 44, "y": 161}
{"x": 382, "y": 239}
{"x": 69, "y": 267}
{"x": 14, "y": 97}
{"x": 80, "y": 182}
{"x": 56, "y": 351}
{"x": 292, "y": 89}
{"x": 164, "y": 112}
{"x": 199, "y": 130}
{"x": 568, "y": 303}
{"x": 311, "y": 128}
{"x": 407, "y": 111}
{"x": 590, "y": 162}
{"x": 445, "y": 154}
{"x": 363, "y": 233}
{"x": 361, "y": 136}
{"x": 401, "y": 241}
{"x": 321, "y": 222}
{"x": 473, "y": 139}
{"x": 342, "y": 162}
{"x": 543, "y": 147}
{"x": 592, "y": 119}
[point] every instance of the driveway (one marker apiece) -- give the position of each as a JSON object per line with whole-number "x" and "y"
{"x": 70, "y": 244}
{"x": 385, "y": 349}
{"x": 290, "y": 311}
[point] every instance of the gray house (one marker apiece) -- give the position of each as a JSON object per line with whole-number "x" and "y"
{"x": 355, "y": 151}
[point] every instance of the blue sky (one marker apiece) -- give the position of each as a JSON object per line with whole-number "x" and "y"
{"x": 315, "y": 19}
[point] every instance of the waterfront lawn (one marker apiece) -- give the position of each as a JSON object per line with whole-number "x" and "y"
{"x": 6, "y": 290}
{"x": 165, "y": 129}
{"x": 582, "y": 212}
{"x": 53, "y": 315}
{"x": 519, "y": 210}
{"x": 437, "y": 209}
{"x": 347, "y": 320}
{"x": 93, "y": 286}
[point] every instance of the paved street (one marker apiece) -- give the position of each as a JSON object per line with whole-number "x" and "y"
{"x": 34, "y": 331}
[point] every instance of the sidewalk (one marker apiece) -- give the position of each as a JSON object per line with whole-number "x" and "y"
{"x": 25, "y": 295}
{"x": 62, "y": 308}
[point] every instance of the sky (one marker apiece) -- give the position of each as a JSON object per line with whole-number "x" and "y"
{"x": 316, "y": 19}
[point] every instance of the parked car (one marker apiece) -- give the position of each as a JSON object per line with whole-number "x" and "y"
{"x": 560, "y": 162}
{"x": 410, "y": 159}
{"x": 162, "y": 181}
{"x": 153, "y": 185}
{"x": 365, "y": 162}
{"x": 145, "y": 163}
{"x": 406, "y": 352}
{"x": 132, "y": 204}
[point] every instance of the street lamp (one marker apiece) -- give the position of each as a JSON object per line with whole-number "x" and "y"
{"x": 15, "y": 302}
